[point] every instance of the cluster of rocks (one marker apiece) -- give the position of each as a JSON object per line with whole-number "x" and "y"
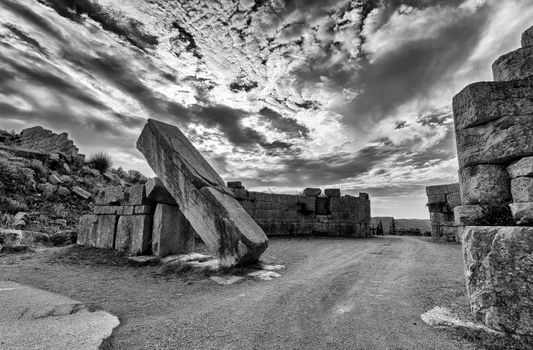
{"x": 442, "y": 199}
{"x": 494, "y": 132}
{"x": 138, "y": 220}
{"x": 309, "y": 213}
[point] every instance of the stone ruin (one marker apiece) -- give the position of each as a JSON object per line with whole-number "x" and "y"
{"x": 310, "y": 213}
{"x": 188, "y": 199}
{"x": 442, "y": 199}
{"x": 494, "y": 133}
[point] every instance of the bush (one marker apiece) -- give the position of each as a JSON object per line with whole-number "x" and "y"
{"x": 100, "y": 161}
{"x": 136, "y": 177}
{"x": 120, "y": 172}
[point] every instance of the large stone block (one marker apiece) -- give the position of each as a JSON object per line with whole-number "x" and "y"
{"x": 527, "y": 38}
{"x": 97, "y": 231}
{"x": 498, "y": 268}
{"x": 484, "y": 183}
{"x": 312, "y": 192}
{"x": 466, "y": 215}
{"x": 156, "y": 192}
{"x": 111, "y": 196}
{"x": 206, "y": 202}
{"x": 522, "y": 213}
{"x": 332, "y": 192}
{"x": 522, "y": 167}
{"x": 87, "y": 230}
{"x": 437, "y": 198}
{"x": 522, "y": 189}
{"x": 136, "y": 195}
{"x": 171, "y": 233}
{"x": 453, "y": 199}
{"x": 134, "y": 234}
{"x": 514, "y": 65}
{"x": 442, "y": 189}
{"x": 496, "y": 142}
{"x": 483, "y": 102}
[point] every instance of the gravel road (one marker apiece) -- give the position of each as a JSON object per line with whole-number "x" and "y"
{"x": 334, "y": 294}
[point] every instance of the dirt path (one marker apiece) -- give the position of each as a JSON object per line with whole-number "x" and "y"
{"x": 335, "y": 294}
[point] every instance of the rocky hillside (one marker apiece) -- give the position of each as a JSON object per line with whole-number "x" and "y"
{"x": 46, "y": 185}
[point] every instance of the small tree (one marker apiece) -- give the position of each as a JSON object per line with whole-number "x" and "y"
{"x": 379, "y": 229}
{"x": 393, "y": 227}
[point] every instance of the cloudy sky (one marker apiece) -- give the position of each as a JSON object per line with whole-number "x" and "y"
{"x": 281, "y": 94}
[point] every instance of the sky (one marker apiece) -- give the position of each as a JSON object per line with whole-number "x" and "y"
{"x": 279, "y": 94}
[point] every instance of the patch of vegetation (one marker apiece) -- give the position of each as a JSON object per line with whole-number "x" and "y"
{"x": 495, "y": 214}
{"x": 136, "y": 177}
{"x": 100, "y": 161}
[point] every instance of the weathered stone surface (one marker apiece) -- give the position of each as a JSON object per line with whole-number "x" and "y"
{"x": 312, "y": 192}
{"x": 499, "y": 267}
{"x": 442, "y": 189}
{"x": 126, "y": 210}
{"x": 87, "y": 230}
{"x": 483, "y": 102}
{"x": 105, "y": 231}
{"x": 453, "y": 199}
{"x": 81, "y": 192}
{"x": 143, "y": 209}
{"x": 522, "y": 213}
{"x": 522, "y": 189}
{"x": 199, "y": 191}
{"x": 40, "y": 139}
{"x": 107, "y": 210}
{"x": 63, "y": 191}
{"x": 332, "y": 192}
{"x": 522, "y": 167}
{"x": 497, "y": 142}
{"x": 136, "y": 195}
{"x": 484, "y": 183}
{"x": 10, "y": 238}
{"x": 527, "y": 38}
{"x": 514, "y": 65}
{"x": 156, "y": 192}
{"x": 47, "y": 189}
{"x": 171, "y": 233}
{"x": 437, "y": 198}
{"x": 466, "y": 215}
{"x": 54, "y": 180}
{"x": 134, "y": 233}
{"x": 111, "y": 196}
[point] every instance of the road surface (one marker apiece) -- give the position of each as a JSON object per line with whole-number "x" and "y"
{"x": 334, "y": 294}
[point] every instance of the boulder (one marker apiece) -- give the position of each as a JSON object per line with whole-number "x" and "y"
{"x": 20, "y": 219}
{"x": 171, "y": 232}
{"x": 332, "y": 192}
{"x": 10, "y": 238}
{"x": 514, "y": 65}
{"x": 527, "y": 38}
{"x": 497, "y": 142}
{"x": 47, "y": 189}
{"x": 81, "y": 192}
{"x": 522, "y": 167}
{"x": 522, "y": 213}
{"x": 63, "y": 191}
{"x": 484, "y": 183}
{"x": 205, "y": 201}
{"x": 498, "y": 268}
{"x": 115, "y": 195}
{"x": 522, "y": 189}
{"x": 134, "y": 233}
{"x": 483, "y": 102}
{"x": 466, "y": 215}
{"x": 156, "y": 192}
{"x": 312, "y": 192}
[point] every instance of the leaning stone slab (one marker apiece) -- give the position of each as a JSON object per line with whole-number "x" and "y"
{"x": 514, "y": 65}
{"x": 206, "y": 202}
{"x": 498, "y": 268}
{"x": 522, "y": 189}
{"x": 134, "y": 233}
{"x": 527, "y": 38}
{"x": 171, "y": 233}
{"x": 484, "y": 183}
{"x": 498, "y": 142}
{"x": 522, "y": 167}
{"x": 522, "y": 213}
{"x": 483, "y": 102}
{"x": 156, "y": 192}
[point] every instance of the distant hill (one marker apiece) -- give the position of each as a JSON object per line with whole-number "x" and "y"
{"x": 422, "y": 224}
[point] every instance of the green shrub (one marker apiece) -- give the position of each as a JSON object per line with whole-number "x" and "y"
{"x": 100, "y": 161}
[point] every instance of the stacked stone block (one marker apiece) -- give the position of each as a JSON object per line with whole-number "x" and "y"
{"x": 494, "y": 134}
{"x": 138, "y": 220}
{"x": 307, "y": 214}
{"x": 442, "y": 199}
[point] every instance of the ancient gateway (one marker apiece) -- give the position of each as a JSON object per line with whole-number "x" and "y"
{"x": 189, "y": 198}
{"x": 494, "y": 132}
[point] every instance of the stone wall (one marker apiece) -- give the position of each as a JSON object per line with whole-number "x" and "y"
{"x": 138, "y": 220}
{"x": 494, "y": 133}
{"x": 442, "y": 199}
{"x": 307, "y": 214}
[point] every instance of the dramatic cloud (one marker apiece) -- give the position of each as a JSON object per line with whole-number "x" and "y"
{"x": 281, "y": 94}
